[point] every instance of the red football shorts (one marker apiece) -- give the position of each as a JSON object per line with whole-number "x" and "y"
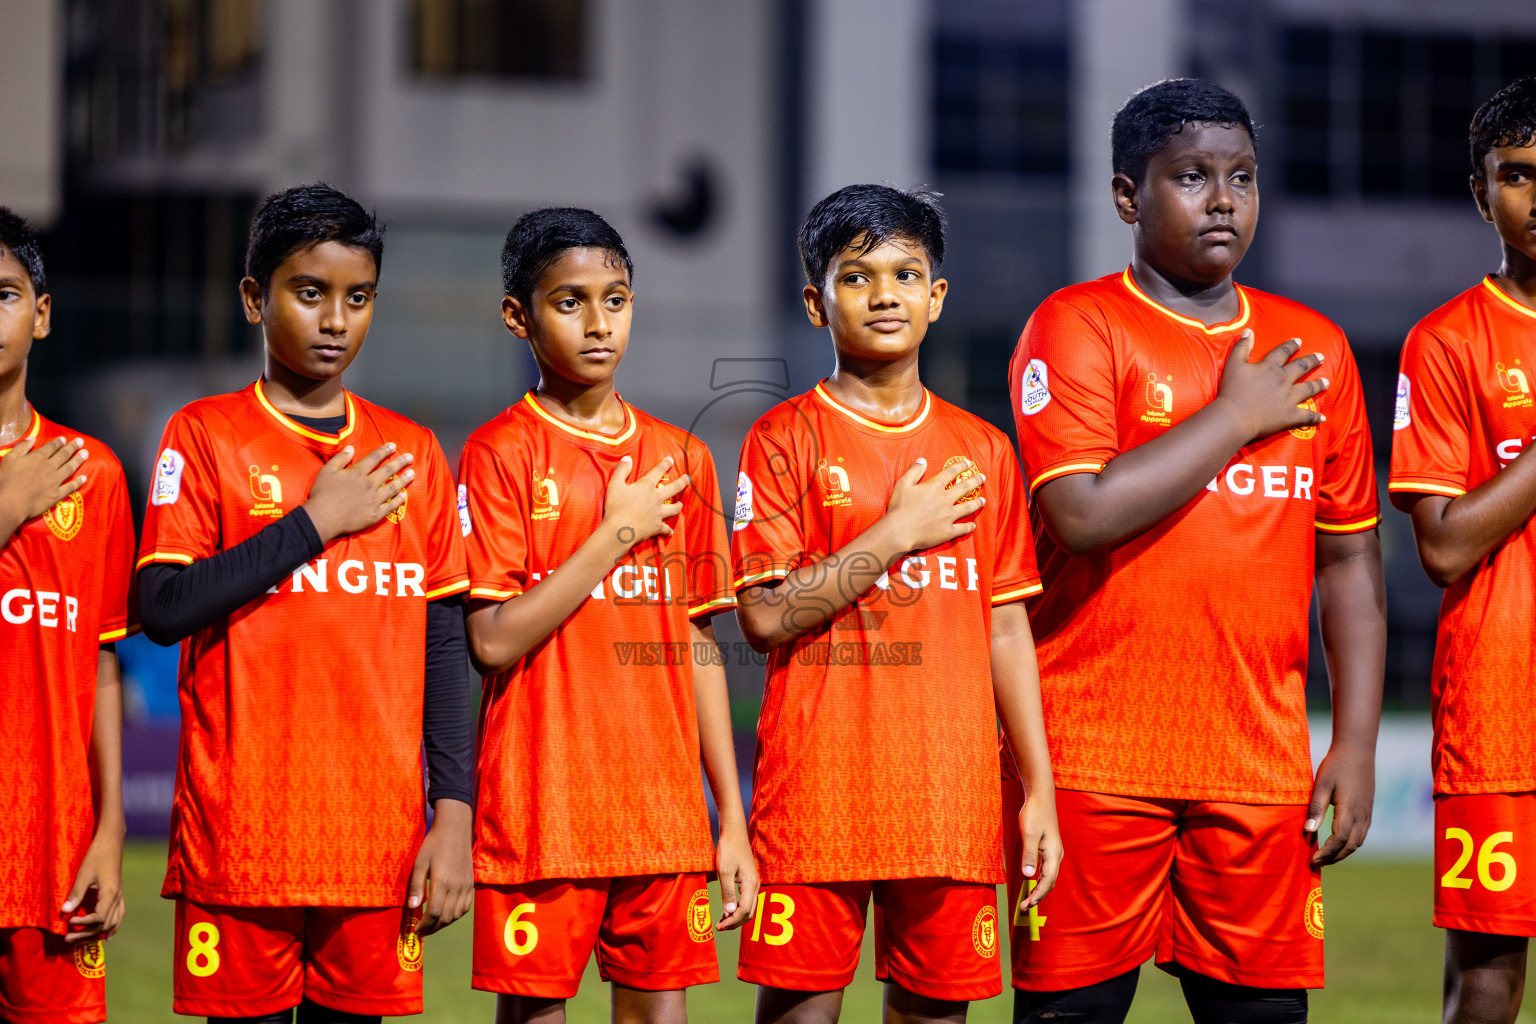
{"x": 252, "y": 961}
{"x": 1485, "y": 863}
{"x": 45, "y": 980}
{"x": 652, "y": 932}
{"x": 935, "y": 937}
{"x": 1224, "y": 890}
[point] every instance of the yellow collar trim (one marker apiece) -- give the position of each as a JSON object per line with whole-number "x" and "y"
{"x": 1499, "y": 293}
{"x": 900, "y": 428}
{"x": 1230, "y": 325}
{"x": 298, "y": 428}
{"x": 32, "y": 432}
{"x": 590, "y": 435}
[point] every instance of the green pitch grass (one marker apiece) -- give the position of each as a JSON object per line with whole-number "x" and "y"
{"x": 1383, "y": 961}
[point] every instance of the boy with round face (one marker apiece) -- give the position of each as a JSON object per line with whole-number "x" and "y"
{"x": 882, "y": 556}
{"x": 303, "y": 544}
{"x": 1199, "y": 460}
{"x": 1464, "y": 421}
{"x": 597, "y": 561}
{"x": 66, "y": 548}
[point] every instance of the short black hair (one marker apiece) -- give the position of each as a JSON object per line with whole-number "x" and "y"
{"x": 1507, "y": 119}
{"x": 1158, "y": 112}
{"x": 540, "y": 236}
{"x": 19, "y": 239}
{"x": 870, "y": 215}
{"x": 300, "y": 218}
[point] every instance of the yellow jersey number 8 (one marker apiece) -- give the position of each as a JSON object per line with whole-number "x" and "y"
{"x": 203, "y": 956}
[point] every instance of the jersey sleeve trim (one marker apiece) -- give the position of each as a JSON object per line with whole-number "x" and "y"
{"x": 1096, "y": 466}
{"x": 1420, "y": 487}
{"x": 457, "y": 586}
{"x": 1022, "y": 592}
{"x": 115, "y": 634}
{"x": 1358, "y": 526}
{"x": 759, "y": 577}
{"x": 163, "y": 556}
{"x": 491, "y": 594}
{"x": 711, "y": 606}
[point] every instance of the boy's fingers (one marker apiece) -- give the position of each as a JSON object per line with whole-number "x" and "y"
{"x": 621, "y": 471}
{"x": 76, "y": 894}
{"x": 949, "y": 474}
{"x": 1242, "y": 349}
{"x": 672, "y": 488}
{"x": 653, "y": 477}
{"x": 368, "y": 463}
{"x": 26, "y": 444}
{"x": 915, "y": 472}
{"x": 394, "y": 466}
{"x": 418, "y": 884}
{"x": 340, "y": 459}
{"x": 671, "y": 509}
{"x": 394, "y": 485}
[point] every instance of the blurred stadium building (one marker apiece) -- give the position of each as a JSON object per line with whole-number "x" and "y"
{"x": 704, "y": 129}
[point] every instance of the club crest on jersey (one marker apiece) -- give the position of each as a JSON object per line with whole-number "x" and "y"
{"x": 984, "y": 932}
{"x": 267, "y": 489}
{"x": 399, "y": 513}
{"x": 1034, "y": 388}
{"x": 546, "y": 496}
{"x": 466, "y": 527}
{"x": 743, "y": 502}
{"x": 1308, "y": 431}
{"x": 167, "y": 478}
{"x": 1159, "y": 400}
{"x": 969, "y": 474}
{"x": 834, "y": 483}
{"x": 66, "y": 517}
{"x": 91, "y": 959}
{"x": 408, "y": 947}
{"x": 699, "y": 927}
{"x": 1516, "y": 386}
{"x": 1401, "y": 415}
{"x": 1312, "y": 915}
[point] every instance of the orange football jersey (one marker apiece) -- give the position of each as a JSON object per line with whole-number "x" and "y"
{"x": 877, "y": 752}
{"x": 300, "y": 774}
{"x": 1464, "y": 411}
{"x": 1173, "y": 664}
{"x": 589, "y": 745}
{"x": 64, "y": 584}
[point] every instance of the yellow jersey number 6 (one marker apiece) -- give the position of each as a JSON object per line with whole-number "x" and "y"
{"x": 1488, "y": 856}
{"x": 203, "y": 956}
{"x": 781, "y": 918}
{"x": 519, "y": 935}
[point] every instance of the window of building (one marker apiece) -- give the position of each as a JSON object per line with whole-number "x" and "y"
{"x": 538, "y": 39}
{"x": 999, "y": 104}
{"x": 1378, "y": 113}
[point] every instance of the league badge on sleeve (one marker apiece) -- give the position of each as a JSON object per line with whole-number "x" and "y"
{"x": 1034, "y": 388}
{"x": 168, "y": 478}
{"x": 465, "y": 526}
{"x": 1400, "y": 413}
{"x": 743, "y": 502}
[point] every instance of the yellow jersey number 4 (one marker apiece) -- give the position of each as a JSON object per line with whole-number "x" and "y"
{"x": 1033, "y": 920}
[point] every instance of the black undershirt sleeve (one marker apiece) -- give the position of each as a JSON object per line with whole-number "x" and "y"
{"x": 447, "y": 719}
{"x": 176, "y": 601}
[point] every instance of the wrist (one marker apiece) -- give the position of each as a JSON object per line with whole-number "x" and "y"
{"x": 321, "y": 523}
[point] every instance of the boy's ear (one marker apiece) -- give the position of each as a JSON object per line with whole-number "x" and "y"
{"x": 42, "y": 317}
{"x": 1479, "y": 186}
{"x": 515, "y": 315}
{"x": 250, "y": 299}
{"x": 814, "y": 308}
{"x": 936, "y": 298}
{"x": 1127, "y": 200}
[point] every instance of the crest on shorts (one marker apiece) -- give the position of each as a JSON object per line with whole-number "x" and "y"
{"x": 408, "y": 946}
{"x": 66, "y": 517}
{"x": 1313, "y": 915}
{"x": 984, "y": 931}
{"x": 1308, "y": 431}
{"x": 699, "y": 926}
{"x": 91, "y": 959}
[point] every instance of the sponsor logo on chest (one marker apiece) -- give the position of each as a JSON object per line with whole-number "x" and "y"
{"x": 1159, "y": 397}
{"x": 836, "y": 490}
{"x": 355, "y": 576}
{"x": 51, "y": 609}
{"x": 1514, "y": 385}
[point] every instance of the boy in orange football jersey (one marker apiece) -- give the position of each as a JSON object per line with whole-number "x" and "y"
{"x": 66, "y": 548}
{"x": 597, "y": 559}
{"x": 316, "y": 595}
{"x": 882, "y": 557}
{"x": 1461, "y": 468}
{"x": 1191, "y": 482}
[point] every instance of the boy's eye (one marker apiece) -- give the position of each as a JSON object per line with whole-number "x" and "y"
{"x": 1242, "y": 178}
{"x": 1190, "y": 178}
{"x": 358, "y": 298}
{"x": 854, "y": 279}
{"x": 7, "y": 294}
{"x": 566, "y": 305}
{"x": 908, "y": 276}
{"x": 309, "y": 293}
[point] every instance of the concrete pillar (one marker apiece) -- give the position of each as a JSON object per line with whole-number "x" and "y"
{"x": 31, "y": 118}
{"x": 1117, "y": 47}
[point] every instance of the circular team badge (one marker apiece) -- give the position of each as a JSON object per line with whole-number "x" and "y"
{"x": 1309, "y": 431}
{"x": 408, "y": 948}
{"x": 1313, "y": 915}
{"x": 969, "y": 473}
{"x": 399, "y": 513}
{"x": 66, "y": 517}
{"x": 984, "y": 931}
{"x": 699, "y": 927}
{"x": 91, "y": 959}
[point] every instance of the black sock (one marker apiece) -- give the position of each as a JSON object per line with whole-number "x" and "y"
{"x": 1106, "y": 1002}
